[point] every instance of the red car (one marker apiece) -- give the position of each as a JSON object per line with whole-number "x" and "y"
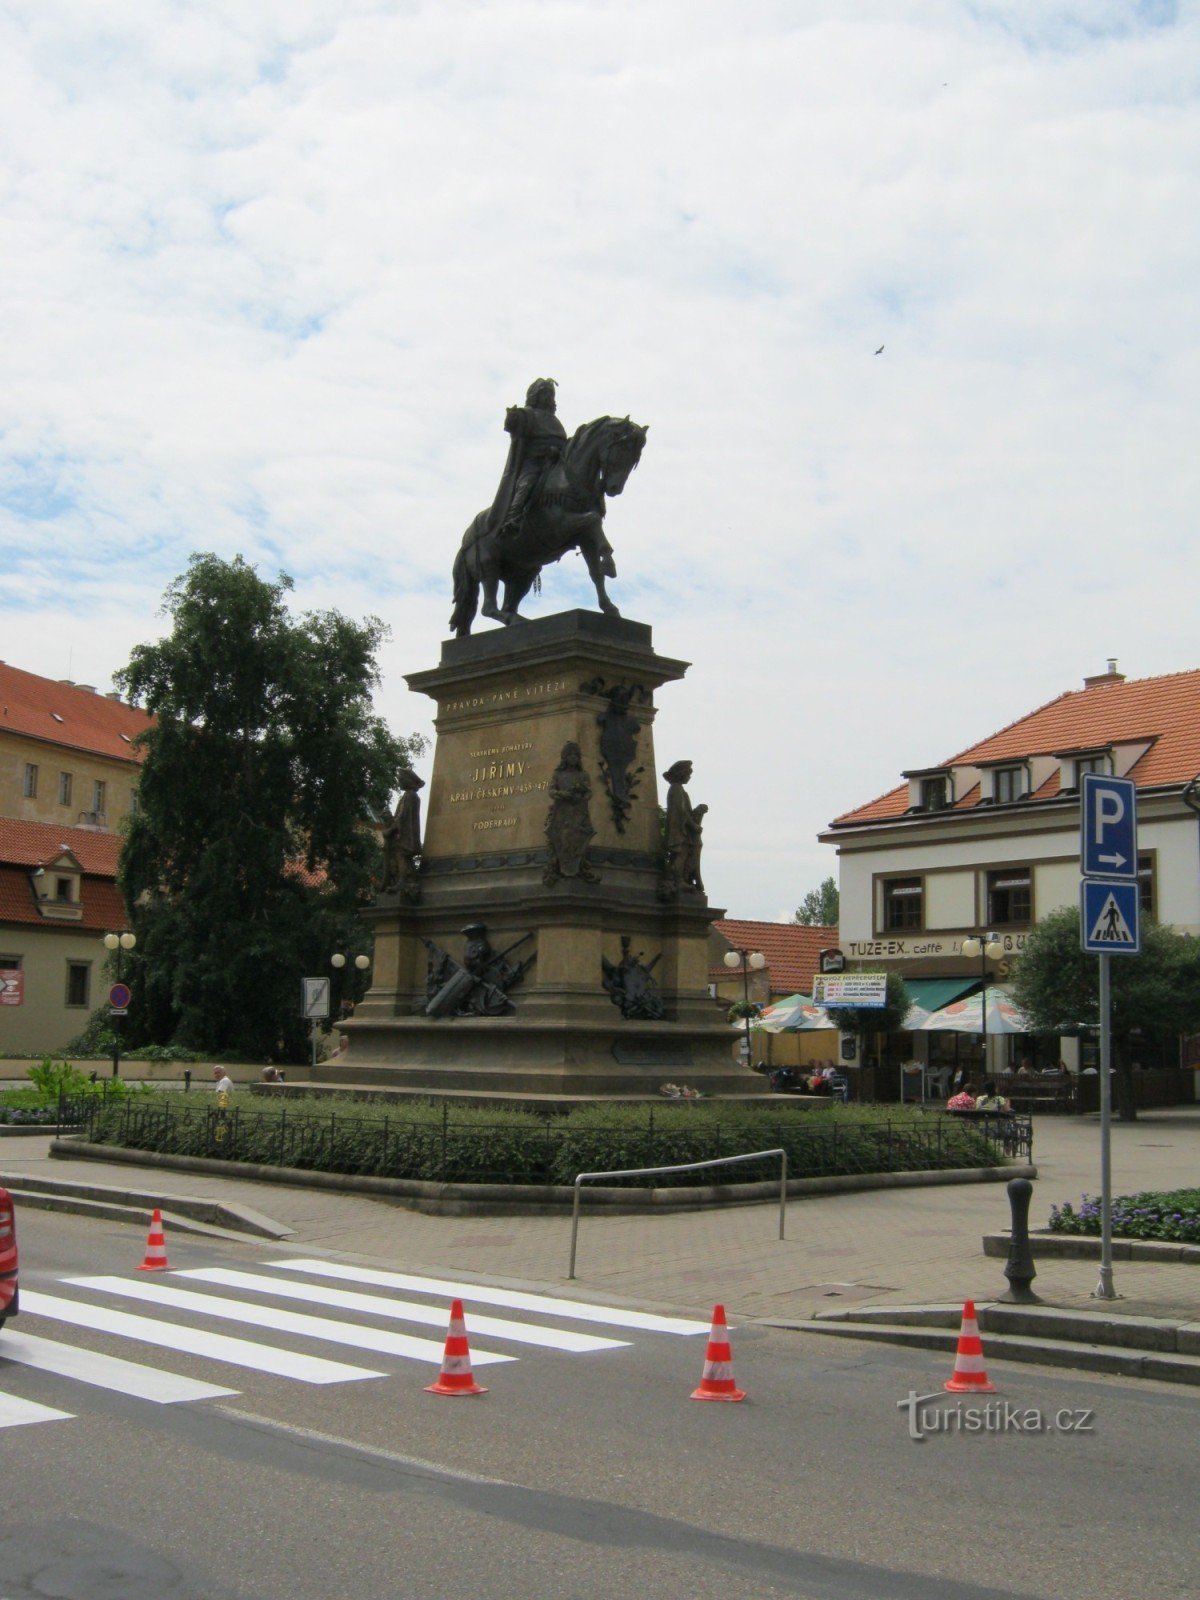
{"x": 8, "y": 1258}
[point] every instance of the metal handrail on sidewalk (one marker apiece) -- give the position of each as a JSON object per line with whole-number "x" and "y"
{"x": 690, "y": 1166}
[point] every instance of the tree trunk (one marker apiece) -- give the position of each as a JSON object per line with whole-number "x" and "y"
{"x": 1123, "y": 1080}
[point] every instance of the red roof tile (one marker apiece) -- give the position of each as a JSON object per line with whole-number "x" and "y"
{"x": 103, "y": 908}
{"x": 1107, "y": 710}
{"x": 33, "y": 844}
{"x": 65, "y": 714}
{"x": 792, "y": 950}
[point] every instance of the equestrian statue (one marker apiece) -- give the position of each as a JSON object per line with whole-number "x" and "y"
{"x": 550, "y": 500}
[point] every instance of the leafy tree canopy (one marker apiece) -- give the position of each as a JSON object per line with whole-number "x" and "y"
{"x": 251, "y": 851}
{"x": 1155, "y": 995}
{"x": 820, "y": 907}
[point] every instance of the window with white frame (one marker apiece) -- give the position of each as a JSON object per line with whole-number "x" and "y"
{"x": 64, "y": 788}
{"x": 31, "y": 780}
{"x": 1008, "y": 784}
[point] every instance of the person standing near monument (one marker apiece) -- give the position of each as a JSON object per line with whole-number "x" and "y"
{"x": 538, "y": 441}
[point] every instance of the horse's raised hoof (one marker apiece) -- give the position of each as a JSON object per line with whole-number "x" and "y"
{"x": 609, "y": 609}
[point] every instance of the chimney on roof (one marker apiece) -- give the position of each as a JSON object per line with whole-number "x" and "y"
{"x": 1109, "y": 676}
{"x": 114, "y": 694}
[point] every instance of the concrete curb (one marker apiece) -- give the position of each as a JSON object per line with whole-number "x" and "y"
{"x": 227, "y": 1218}
{"x": 1079, "y": 1247}
{"x": 461, "y": 1199}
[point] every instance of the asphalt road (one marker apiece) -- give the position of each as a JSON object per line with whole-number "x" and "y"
{"x": 582, "y": 1474}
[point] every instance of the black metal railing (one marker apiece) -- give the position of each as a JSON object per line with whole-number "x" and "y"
{"x": 440, "y": 1149}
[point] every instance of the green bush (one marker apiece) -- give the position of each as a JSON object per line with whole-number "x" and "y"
{"x": 54, "y": 1078}
{"x": 425, "y": 1141}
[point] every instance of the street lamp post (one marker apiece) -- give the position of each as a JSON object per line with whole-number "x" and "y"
{"x": 337, "y": 961}
{"x": 988, "y": 948}
{"x": 749, "y": 961}
{"x": 120, "y": 942}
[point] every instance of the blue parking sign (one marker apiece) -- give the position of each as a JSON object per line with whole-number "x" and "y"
{"x": 1109, "y": 922}
{"x": 1107, "y": 826}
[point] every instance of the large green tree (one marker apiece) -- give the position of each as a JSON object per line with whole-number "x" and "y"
{"x": 821, "y": 906}
{"x": 1155, "y": 995}
{"x": 251, "y": 851}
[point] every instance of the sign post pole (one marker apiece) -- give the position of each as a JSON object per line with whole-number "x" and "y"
{"x": 1104, "y": 1289}
{"x": 1110, "y": 924}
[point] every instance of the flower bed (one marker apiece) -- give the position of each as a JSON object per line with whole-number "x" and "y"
{"x": 1172, "y": 1217}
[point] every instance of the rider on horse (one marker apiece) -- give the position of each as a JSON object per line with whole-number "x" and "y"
{"x": 538, "y": 441}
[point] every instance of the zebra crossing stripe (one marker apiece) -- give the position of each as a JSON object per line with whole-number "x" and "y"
{"x": 513, "y": 1299}
{"x": 192, "y": 1341}
{"x": 14, "y": 1412}
{"x": 403, "y": 1345}
{"x": 404, "y": 1310}
{"x": 106, "y": 1372}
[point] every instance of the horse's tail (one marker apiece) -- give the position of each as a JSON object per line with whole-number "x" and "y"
{"x": 466, "y": 583}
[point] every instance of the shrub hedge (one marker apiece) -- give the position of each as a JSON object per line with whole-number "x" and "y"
{"x": 437, "y": 1143}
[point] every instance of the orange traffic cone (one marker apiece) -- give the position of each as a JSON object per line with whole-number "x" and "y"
{"x": 969, "y": 1376}
{"x": 717, "y": 1382}
{"x": 156, "y": 1246}
{"x": 456, "y": 1376}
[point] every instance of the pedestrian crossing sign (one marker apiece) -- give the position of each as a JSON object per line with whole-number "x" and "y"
{"x": 1109, "y": 921}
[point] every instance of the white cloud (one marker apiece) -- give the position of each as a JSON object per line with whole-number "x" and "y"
{"x": 272, "y": 274}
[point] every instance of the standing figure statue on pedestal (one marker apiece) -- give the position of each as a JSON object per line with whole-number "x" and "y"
{"x": 684, "y": 834}
{"x": 569, "y": 821}
{"x": 402, "y": 839}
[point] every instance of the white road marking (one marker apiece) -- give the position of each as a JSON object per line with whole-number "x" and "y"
{"x": 14, "y": 1413}
{"x": 325, "y": 1328}
{"x": 192, "y": 1341}
{"x": 513, "y": 1299}
{"x": 105, "y": 1372}
{"x": 404, "y": 1310}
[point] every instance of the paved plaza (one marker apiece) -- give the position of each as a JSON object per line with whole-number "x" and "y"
{"x": 888, "y": 1246}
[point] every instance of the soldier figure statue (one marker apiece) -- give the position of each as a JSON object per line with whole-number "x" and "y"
{"x": 538, "y": 441}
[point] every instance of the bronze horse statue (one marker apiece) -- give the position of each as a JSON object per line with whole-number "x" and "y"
{"x": 566, "y": 513}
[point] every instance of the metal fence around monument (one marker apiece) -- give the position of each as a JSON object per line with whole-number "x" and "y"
{"x": 437, "y": 1149}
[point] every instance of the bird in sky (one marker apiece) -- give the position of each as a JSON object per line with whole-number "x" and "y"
{"x": 879, "y": 352}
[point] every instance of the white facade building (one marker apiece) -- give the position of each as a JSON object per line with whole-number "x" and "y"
{"x": 988, "y": 841}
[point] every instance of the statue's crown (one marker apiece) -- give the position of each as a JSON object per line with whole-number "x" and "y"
{"x": 534, "y": 393}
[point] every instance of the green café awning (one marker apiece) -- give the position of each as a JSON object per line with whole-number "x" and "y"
{"x": 931, "y": 994}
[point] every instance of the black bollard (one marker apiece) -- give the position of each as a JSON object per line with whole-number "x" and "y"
{"x": 187, "y": 1079}
{"x": 1019, "y": 1268}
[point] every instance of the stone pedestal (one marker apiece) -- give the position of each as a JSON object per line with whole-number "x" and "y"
{"x": 507, "y": 702}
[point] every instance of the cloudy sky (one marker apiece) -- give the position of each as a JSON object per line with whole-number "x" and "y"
{"x": 271, "y": 271}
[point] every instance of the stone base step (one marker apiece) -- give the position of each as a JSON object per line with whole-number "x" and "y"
{"x": 1164, "y": 1367}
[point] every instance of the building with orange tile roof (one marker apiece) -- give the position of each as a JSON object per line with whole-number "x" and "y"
{"x": 69, "y": 766}
{"x": 988, "y": 839}
{"x": 58, "y": 898}
{"x": 68, "y": 755}
{"x": 793, "y": 956}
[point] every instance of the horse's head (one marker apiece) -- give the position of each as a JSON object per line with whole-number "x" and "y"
{"x": 602, "y": 454}
{"x": 622, "y": 452}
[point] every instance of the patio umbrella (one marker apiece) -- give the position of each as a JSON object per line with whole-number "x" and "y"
{"x": 965, "y": 1016}
{"x": 796, "y": 1014}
